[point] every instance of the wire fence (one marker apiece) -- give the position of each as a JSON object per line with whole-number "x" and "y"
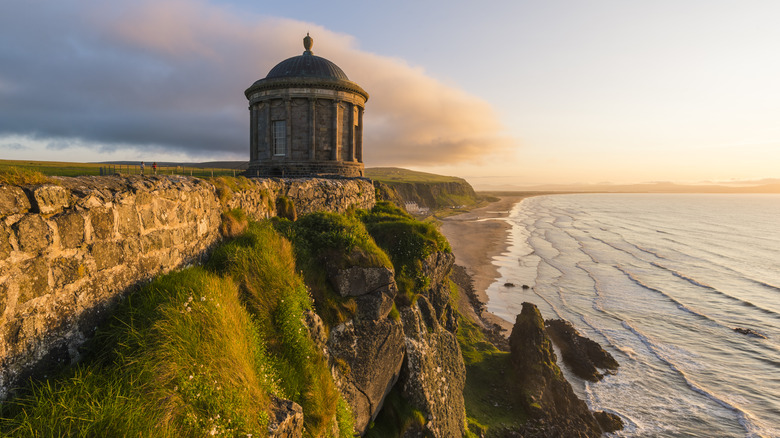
{"x": 50, "y": 168}
{"x": 132, "y": 169}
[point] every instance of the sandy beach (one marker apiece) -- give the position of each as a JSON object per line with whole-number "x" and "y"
{"x": 476, "y": 237}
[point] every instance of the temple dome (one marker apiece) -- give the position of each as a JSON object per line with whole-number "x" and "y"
{"x": 306, "y": 70}
{"x": 307, "y": 65}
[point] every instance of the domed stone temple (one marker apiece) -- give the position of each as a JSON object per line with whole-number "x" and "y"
{"x": 306, "y": 120}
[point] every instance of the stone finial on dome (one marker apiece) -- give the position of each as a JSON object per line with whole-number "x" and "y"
{"x": 307, "y": 43}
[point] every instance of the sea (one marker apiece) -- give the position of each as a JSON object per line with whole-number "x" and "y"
{"x": 661, "y": 281}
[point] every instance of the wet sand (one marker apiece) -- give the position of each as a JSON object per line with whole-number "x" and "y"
{"x": 475, "y": 241}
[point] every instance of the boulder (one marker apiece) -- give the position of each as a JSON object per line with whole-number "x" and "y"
{"x": 286, "y": 419}
{"x": 13, "y": 200}
{"x": 366, "y": 357}
{"x": 581, "y": 354}
{"x": 434, "y": 375}
{"x": 355, "y": 281}
{"x": 608, "y": 421}
{"x": 50, "y": 199}
{"x": 33, "y": 233}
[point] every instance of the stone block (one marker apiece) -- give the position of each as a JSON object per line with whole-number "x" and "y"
{"x": 102, "y": 220}
{"x": 166, "y": 212}
{"x": 71, "y": 228}
{"x": 3, "y": 298}
{"x": 13, "y": 201}
{"x": 156, "y": 240}
{"x": 131, "y": 248}
{"x": 34, "y": 279}
{"x": 50, "y": 199}
{"x": 66, "y": 270}
{"x": 143, "y": 198}
{"x": 129, "y": 224}
{"x": 147, "y": 218}
{"x": 5, "y": 242}
{"x": 33, "y": 233}
{"x": 355, "y": 281}
{"x": 107, "y": 254}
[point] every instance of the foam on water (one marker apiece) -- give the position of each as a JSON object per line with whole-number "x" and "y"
{"x": 661, "y": 281}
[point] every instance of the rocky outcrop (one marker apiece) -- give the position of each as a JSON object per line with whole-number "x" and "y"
{"x": 436, "y": 195}
{"x": 69, "y": 251}
{"x": 373, "y": 288}
{"x": 541, "y": 385}
{"x": 286, "y": 419}
{"x": 433, "y": 375}
{"x": 608, "y": 421}
{"x": 366, "y": 352}
{"x": 374, "y": 352}
{"x": 582, "y": 355}
{"x": 366, "y": 358}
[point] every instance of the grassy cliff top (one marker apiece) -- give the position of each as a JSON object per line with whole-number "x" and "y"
{"x": 397, "y": 174}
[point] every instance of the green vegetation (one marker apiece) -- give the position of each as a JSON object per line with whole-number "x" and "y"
{"x": 18, "y": 176}
{"x": 234, "y": 223}
{"x": 330, "y": 241}
{"x": 395, "y": 418}
{"x": 285, "y": 208}
{"x": 395, "y": 174}
{"x": 57, "y": 168}
{"x": 198, "y": 352}
{"x": 407, "y": 241}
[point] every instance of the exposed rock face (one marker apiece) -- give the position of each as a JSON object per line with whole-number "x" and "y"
{"x": 543, "y": 389}
{"x": 366, "y": 358}
{"x": 286, "y": 419}
{"x": 434, "y": 194}
{"x": 433, "y": 376}
{"x": 68, "y": 252}
{"x": 580, "y": 353}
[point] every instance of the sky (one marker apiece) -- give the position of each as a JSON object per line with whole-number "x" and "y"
{"x": 500, "y": 92}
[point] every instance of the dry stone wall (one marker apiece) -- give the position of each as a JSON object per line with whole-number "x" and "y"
{"x": 70, "y": 250}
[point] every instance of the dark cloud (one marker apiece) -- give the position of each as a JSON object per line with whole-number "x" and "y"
{"x": 14, "y": 146}
{"x": 169, "y": 75}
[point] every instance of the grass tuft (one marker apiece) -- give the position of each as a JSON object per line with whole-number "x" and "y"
{"x": 18, "y": 176}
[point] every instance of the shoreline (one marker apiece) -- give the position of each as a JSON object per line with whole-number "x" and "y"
{"x": 476, "y": 237}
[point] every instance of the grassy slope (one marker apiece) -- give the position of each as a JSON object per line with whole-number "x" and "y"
{"x": 397, "y": 174}
{"x": 195, "y": 352}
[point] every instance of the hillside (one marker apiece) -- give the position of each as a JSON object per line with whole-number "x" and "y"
{"x": 426, "y": 189}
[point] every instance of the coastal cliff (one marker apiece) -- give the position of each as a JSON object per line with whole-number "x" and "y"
{"x": 426, "y": 190}
{"x": 306, "y": 323}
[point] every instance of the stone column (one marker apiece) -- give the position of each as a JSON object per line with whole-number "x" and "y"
{"x": 351, "y": 139}
{"x": 359, "y": 136}
{"x": 336, "y": 136}
{"x": 269, "y": 136}
{"x": 288, "y": 119}
{"x": 253, "y": 133}
{"x": 312, "y": 129}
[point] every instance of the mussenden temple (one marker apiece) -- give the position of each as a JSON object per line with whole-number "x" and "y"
{"x": 306, "y": 120}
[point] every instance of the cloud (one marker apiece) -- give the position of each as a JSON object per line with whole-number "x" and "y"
{"x": 14, "y": 146}
{"x": 169, "y": 75}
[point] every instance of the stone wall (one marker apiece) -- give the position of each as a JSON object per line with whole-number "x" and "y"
{"x": 70, "y": 250}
